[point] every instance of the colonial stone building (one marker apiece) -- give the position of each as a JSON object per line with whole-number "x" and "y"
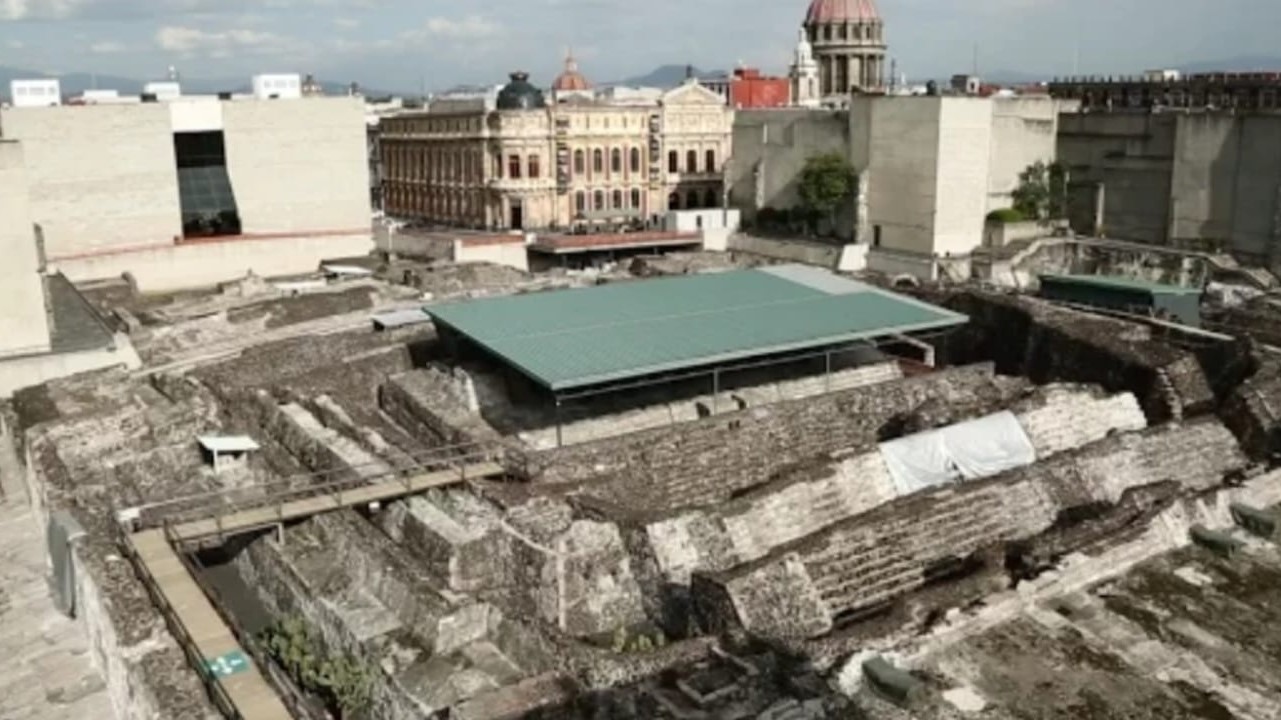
{"x": 848, "y": 42}
{"x": 516, "y": 160}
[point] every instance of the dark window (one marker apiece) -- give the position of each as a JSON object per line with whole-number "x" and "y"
{"x": 691, "y": 161}
{"x": 598, "y": 161}
{"x": 615, "y": 160}
{"x": 580, "y": 162}
{"x": 674, "y": 201}
{"x": 598, "y": 200}
{"x": 618, "y": 199}
{"x": 691, "y": 200}
{"x": 580, "y": 201}
{"x": 876, "y": 236}
{"x": 204, "y": 187}
{"x": 636, "y": 198}
{"x": 710, "y": 200}
{"x": 513, "y": 167}
{"x": 635, "y": 160}
{"x": 533, "y": 167}
{"x": 711, "y": 161}
{"x": 498, "y": 166}
{"x": 673, "y": 161}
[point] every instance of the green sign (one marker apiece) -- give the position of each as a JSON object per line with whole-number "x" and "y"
{"x": 229, "y": 664}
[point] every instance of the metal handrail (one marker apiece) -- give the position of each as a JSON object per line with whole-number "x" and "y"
{"x": 227, "y": 501}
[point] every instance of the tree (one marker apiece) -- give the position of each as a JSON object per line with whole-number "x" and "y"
{"x": 826, "y": 181}
{"x": 1042, "y": 191}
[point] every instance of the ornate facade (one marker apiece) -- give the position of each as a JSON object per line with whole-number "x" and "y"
{"x": 519, "y": 162}
{"x": 848, "y": 42}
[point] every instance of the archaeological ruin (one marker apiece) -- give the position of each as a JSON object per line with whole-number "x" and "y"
{"x": 765, "y": 491}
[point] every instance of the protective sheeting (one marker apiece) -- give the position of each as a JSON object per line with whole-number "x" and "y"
{"x": 63, "y": 530}
{"x": 966, "y": 451}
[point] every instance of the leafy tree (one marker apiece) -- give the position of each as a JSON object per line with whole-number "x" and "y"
{"x": 826, "y": 181}
{"x": 1041, "y": 191}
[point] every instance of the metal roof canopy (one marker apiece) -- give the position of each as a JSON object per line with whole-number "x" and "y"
{"x": 570, "y": 339}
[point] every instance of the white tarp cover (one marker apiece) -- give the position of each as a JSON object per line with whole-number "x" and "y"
{"x": 966, "y": 451}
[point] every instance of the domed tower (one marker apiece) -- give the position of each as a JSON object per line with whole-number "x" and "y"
{"x": 571, "y": 80}
{"x": 849, "y": 45}
{"x": 520, "y": 94}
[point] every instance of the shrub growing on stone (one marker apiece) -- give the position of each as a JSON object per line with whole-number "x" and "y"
{"x": 343, "y": 682}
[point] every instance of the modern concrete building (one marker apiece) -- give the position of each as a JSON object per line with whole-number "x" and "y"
{"x": 46, "y": 329}
{"x": 196, "y": 190}
{"x": 1187, "y": 180}
{"x": 932, "y": 168}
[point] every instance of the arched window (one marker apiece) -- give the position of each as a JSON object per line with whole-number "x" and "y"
{"x": 598, "y": 161}
{"x": 634, "y": 160}
{"x": 580, "y": 201}
{"x": 533, "y": 167}
{"x": 618, "y": 199}
{"x": 513, "y": 167}
{"x": 635, "y": 198}
{"x": 710, "y": 200}
{"x": 580, "y": 162}
{"x": 691, "y": 200}
{"x": 674, "y": 201}
{"x": 691, "y": 161}
{"x": 598, "y": 199}
{"x": 711, "y": 161}
{"x": 673, "y": 162}
{"x": 615, "y": 160}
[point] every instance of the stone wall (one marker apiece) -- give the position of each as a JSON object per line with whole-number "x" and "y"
{"x": 1045, "y": 343}
{"x": 709, "y": 461}
{"x": 809, "y": 587}
{"x": 428, "y": 401}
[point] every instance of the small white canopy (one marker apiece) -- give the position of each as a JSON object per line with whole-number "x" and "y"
{"x": 352, "y": 270}
{"x": 217, "y": 444}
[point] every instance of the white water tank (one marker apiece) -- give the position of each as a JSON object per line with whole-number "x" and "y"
{"x": 35, "y": 93}
{"x": 284, "y": 87}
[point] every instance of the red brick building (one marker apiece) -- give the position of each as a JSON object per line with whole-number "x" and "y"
{"x": 750, "y": 89}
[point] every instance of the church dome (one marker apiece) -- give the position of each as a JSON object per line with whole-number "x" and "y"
{"x": 824, "y": 12}
{"x": 570, "y": 79}
{"x": 520, "y": 94}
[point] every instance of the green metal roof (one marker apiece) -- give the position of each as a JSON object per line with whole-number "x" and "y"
{"x": 574, "y": 338}
{"x": 1112, "y": 282}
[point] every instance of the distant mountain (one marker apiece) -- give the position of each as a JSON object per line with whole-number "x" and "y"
{"x": 666, "y": 76}
{"x": 1244, "y": 63}
{"x": 77, "y": 82}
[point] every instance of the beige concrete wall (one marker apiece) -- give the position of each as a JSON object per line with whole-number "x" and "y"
{"x": 770, "y": 148}
{"x": 24, "y": 327}
{"x": 961, "y": 180}
{"x": 513, "y": 255}
{"x": 101, "y": 177}
{"x": 902, "y": 155}
{"x": 1024, "y": 131}
{"x": 22, "y": 372}
{"x": 298, "y": 166}
{"x": 207, "y": 263}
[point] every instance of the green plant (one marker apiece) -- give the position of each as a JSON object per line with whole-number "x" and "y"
{"x": 1042, "y": 191}
{"x": 344, "y": 682}
{"x": 1006, "y": 215}
{"x": 826, "y": 181}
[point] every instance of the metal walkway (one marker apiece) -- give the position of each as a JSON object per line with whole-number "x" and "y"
{"x": 235, "y": 681}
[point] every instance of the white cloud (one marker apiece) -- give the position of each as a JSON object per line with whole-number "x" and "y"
{"x": 470, "y": 27}
{"x": 221, "y": 43}
{"x": 107, "y": 48}
{"x": 119, "y": 9}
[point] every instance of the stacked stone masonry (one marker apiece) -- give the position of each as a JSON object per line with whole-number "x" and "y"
{"x": 860, "y": 563}
{"x": 708, "y": 462}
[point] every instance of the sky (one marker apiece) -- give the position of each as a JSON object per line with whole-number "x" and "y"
{"x": 433, "y": 44}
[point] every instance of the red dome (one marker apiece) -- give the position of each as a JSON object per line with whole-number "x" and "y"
{"x": 571, "y": 79}
{"x": 822, "y": 12}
